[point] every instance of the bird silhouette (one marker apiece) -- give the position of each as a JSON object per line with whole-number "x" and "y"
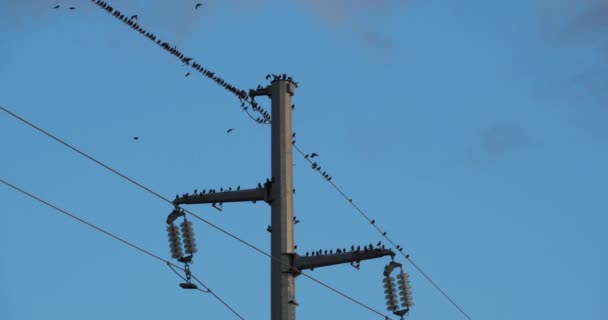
{"x": 56, "y": 7}
{"x": 197, "y": 5}
{"x": 373, "y": 221}
{"x": 312, "y": 155}
{"x": 269, "y": 229}
{"x": 135, "y": 138}
{"x": 187, "y": 74}
{"x": 229, "y": 130}
{"x": 134, "y": 17}
{"x": 72, "y": 8}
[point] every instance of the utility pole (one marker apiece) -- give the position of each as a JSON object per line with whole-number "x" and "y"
{"x": 286, "y": 265}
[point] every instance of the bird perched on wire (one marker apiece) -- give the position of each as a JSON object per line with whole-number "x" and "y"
{"x": 197, "y": 5}
{"x": 134, "y": 17}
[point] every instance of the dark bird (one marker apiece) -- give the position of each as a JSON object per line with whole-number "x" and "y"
{"x": 72, "y": 8}
{"x": 134, "y": 17}
{"x": 383, "y": 233}
{"x": 312, "y": 155}
{"x": 56, "y": 7}
{"x": 197, "y": 5}
{"x": 293, "y": 107}
{"x": 295, "y": 247}
{"x": 269, "y": 229}
{"x": 373, "y": 221}
{"x": 229, "y": 130}
{"x": 187, "y": 74}
{"x": 379, "y": 243}
{"x": 293, "y": 135}
{"x": 259, "y": 185}
{"x": 187, "y": 60}
{"x": 238, "y": 187}
{"x": 295, "y": 221}
{"x": 135, "y": 138}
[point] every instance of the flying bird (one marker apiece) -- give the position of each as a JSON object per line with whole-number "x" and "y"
{"x": 135, "y": 138}
{"x": 187, "y": 74}
{"x": 56, "y": 7}
{"x": 197, "y": 5}
{"x": 229, "y": 130}
{"x": 134, "y": 17}
{"x": 72, "y": 8}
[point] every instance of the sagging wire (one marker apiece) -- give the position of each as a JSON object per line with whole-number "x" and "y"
{"x": 246, "y": 101}
{"x": 169, "y": 263}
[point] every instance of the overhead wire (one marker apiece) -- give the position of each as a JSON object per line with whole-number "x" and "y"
{"x": 240, "y": 94}
{"x": 209, "y": 223}
{"x": 316, "y": 167}
{"x": 136, "y": 247}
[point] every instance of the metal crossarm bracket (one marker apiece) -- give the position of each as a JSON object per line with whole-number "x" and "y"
{"x": 258, "y": 194}
{"x": 311, "y": 262}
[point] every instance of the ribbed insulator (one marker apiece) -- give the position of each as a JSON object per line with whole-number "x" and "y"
{"x": 405, "y": 290}
{"x": 188, "y": 237}
{"x": 174, "y": 241}
{"x": 392, "y": 301}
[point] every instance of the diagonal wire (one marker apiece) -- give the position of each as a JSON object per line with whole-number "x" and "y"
{"x": 169, "y": 263}
{"x": 381, "y": 231}
{"x": 209, "y": 223}
{"x": 240, "y": 94}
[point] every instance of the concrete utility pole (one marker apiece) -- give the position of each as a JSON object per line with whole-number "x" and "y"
{"x": 278, "y": 192}
{"x": 282, "y": 278}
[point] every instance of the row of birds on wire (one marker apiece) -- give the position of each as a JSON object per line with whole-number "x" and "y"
{"x": 245, "y": 99}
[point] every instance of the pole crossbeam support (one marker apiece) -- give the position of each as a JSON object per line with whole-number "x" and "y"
{"x": 311, "y": 262}
{"x": 258, "y": 194}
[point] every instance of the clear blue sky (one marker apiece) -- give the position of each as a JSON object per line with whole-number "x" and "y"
{"x": 475, "y": 132}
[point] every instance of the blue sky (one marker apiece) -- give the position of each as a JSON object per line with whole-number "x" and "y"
{"x": 474, "y": 132}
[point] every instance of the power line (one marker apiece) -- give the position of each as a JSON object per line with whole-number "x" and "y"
{"x": 316, "y": 167}
{"x": 240, "y": 94}
{"x": 231, "y": 235}
{"x": 207, "y": 289}
{"x": 140, "y": 249}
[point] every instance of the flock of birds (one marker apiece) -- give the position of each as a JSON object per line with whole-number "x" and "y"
{"x": 242, "y": 95}
{"x": 365, "y": 248}
{"x": 316, "y": 166}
